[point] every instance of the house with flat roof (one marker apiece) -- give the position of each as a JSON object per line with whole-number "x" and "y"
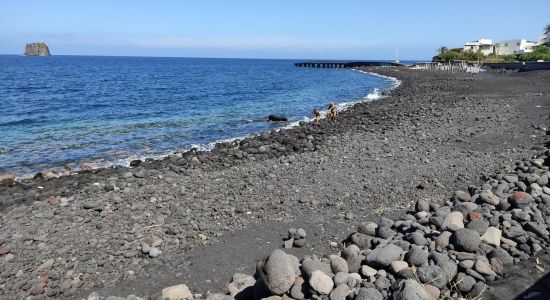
{"x": 514, "y": 47}
{"x": 485, "y": 46}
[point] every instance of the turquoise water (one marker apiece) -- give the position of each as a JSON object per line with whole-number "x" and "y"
{"x": 63, "y": 110}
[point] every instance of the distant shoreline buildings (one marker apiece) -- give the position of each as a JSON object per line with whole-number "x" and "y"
{"x": 508, "y": 47}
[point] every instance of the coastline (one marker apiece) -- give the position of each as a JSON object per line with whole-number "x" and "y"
{"x": 75, "y": 168}
{"x": 436, "y": 133}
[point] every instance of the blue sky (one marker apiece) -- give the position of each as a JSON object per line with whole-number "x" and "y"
{"x": 343, "y": 29}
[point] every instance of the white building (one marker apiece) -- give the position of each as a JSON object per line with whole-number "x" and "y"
{"x": 514, "y": 47}
{"x": 484, "y": 45}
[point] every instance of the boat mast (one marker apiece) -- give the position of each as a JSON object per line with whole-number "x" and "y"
{"x": 397, "y": 55}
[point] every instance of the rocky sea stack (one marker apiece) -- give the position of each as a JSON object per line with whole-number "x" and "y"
{"x": 37, "y": 49}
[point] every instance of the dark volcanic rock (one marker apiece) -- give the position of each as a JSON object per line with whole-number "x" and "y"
{"x": 410, "y": 289}
{"x": 466, "y": 239}
{"x": 520, "y": 199}
{"x": 433, "y": 275}
{"x": 37, "y": 49}
{"x": 277, "y": 118}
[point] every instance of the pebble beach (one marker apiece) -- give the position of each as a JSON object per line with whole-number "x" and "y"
{"x": 438, "y": 190}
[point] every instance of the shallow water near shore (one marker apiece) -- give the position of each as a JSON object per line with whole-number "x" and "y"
{"x": 64, "y": 110}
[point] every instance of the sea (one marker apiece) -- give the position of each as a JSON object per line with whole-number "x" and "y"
{"x": 67, "y": 110}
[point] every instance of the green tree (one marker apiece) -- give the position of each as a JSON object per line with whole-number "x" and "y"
{"x": 442, "y": 50}
{"x": 540, "y": 53}
{"x": 472, "y": 55}
{"x": 547, "y": 29}
{"x": 500, "y": 58}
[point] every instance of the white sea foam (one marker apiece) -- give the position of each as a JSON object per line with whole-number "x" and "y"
{"x": 396, "y": 82}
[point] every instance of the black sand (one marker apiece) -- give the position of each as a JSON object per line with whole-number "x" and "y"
{"x": 437, "y": 133}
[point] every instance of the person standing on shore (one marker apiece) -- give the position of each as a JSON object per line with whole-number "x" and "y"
{"x": 332, "y": 111}
{"x": 317, "y": 115}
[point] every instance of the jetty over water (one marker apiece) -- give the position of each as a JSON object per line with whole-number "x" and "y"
{"x": 347, "y": 64}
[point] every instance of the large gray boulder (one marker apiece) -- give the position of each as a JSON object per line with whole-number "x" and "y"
{"x": 277, "y": 271}
{"x": 321, "y": 282}
{"x": 383, "y": 256}
{"x": 466, "y": 239}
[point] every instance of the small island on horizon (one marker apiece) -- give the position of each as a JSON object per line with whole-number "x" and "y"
{"x": 37, "y": 49}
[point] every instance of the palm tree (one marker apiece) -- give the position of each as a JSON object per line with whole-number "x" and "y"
{"x": 442, "y": 50}
{"x": 547, "y": 29}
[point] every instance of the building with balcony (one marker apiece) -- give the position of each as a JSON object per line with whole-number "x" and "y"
{"x": 485, "y": 46}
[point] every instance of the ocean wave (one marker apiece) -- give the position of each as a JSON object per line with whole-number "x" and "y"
{"x": 396, "y": 82}
{"x": 25, "y": 121}
{"x": 342, "y": 106}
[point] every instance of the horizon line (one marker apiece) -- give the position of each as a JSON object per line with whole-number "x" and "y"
{"x": 207, "y": 57}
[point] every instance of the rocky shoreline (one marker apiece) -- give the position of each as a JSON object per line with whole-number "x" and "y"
{"x": 8, "y": 179}
{"x": 435, "y": 134}
{"x": 449, "y": 251}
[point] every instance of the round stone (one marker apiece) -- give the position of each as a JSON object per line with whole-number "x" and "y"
{"x": 321, "y": 282}
{"x": 154, "y": 252}
{"x": 383, "y": 256}
{"x": 368, "y": 271}
{"x": 369, "y": 294}
{"x": 341, "y": 292}
{"x": 464, "y": 283}
{"x": 338, "y": 264}
{"x": 410, "y": 289}
{"x": 479, "y": 225}
{"x": 453, "y": 221}
{"x": 466, "y": 239}
{"x": 462, "y": 196}
{"x": 432, "y": 274}
{"x": 520, "y": 199}
{"x": 417, "y": 256}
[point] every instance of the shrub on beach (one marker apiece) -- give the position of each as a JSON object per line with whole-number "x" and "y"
{"x": 501, "y": 58}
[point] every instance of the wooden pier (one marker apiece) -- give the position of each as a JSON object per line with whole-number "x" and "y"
{"x": 346, "y": 64}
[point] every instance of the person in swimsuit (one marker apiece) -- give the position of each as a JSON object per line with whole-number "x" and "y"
{"x": 317, "y": 115}
{"x": 332, "y": 111}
